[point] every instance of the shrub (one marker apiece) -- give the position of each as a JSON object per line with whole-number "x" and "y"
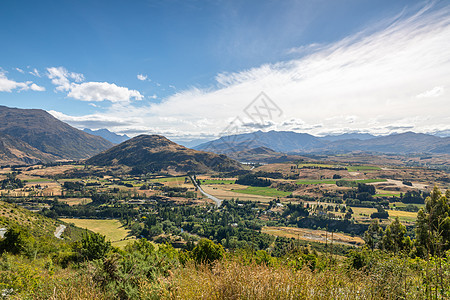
{"x": 207, "y": 251}
{"x": 17, "y": 240}
{"x": 92, "y": 246}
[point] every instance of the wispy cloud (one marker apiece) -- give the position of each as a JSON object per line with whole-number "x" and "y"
{"x": 35, "y": 72}
{"x": 368, "y": 82}
{"x": 8, "y": 85}
{"x": 434, "y": 92}
{"x": 73, "y": 84}
{"x": 306, "y": 49}
{"x": 142, "y": 77}
{"x": 20, "y": 70}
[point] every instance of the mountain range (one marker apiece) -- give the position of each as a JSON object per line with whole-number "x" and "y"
{"x": 154, "y": 153}
{"x": 33, "y": 135}
{"x": 292, "y": 142}
{"x": 108, "y": 135}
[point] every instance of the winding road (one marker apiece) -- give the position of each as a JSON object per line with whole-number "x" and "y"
{"x": 59, "y": 231}
{"x": 215, "y": 199}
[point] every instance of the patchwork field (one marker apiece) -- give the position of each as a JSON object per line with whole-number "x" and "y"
{"x": 333, "y": 181}
{"x": 229, "y": 191}
{"x": 313, "y": 235}
{"x": 263, "y": 191}
{"x": 112, "y": 229}
{"x": 404, "y": 216}
{"x": 76, "y": 201}
{"x": 362, "y": 168}
{"x": 217, "y": 181}
{"x": 180, "y": 179}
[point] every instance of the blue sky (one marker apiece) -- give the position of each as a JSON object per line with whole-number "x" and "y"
{"x": 186, "y": 69}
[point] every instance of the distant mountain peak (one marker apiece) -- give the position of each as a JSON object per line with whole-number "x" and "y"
{"x": 108, "y": 135}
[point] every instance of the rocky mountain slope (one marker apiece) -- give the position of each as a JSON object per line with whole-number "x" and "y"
{"x": 153, "y": 153}
{"x": 42, "y": 131}
{"x": 16, "y": 152}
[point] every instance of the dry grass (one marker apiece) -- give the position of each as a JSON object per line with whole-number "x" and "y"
{"x": 363, "y": 213}
{"x": 225, "y": 192}
{"x": 232, "y": 280}
{"x": 313, "y": 235}
{"x": 51, "y": 171}
{"x": 76, "y": 201}
{"x": 404, "y": 216}
{"x": 75, "y": 288}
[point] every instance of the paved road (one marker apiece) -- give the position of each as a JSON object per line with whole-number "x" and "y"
{"x": 59, "y": 231}
{"x": 215, "y": 199}
{"x": 2, "y": 232}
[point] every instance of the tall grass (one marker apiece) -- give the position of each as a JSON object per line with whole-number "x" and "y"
{"x": 231, "y": 279}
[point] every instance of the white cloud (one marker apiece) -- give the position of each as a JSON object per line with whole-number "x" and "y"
{"x": 20, "y": 70}
{"x": 367, "y": 82}
{"x": 8, "y": 85}
{"x": 37, "y": 88}
{"x": 100, "y": 91}
{"x": 153, "y": 96}
{"x": 434, "y": 92}
{"x": 35, "y": 72}
{"x": 89, "y": 91}
{"x": 91, "y": 121}
{"x": 61, "y": 78}
{"x": 142, "y": 77}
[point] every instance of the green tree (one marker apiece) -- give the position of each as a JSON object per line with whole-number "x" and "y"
{"x": 373, "y": 236}
{"x": 17, "y": 240}
{"x": 433, "y": 224}
{"x": 207, "y": 251}
{"x": 395, "y": 238}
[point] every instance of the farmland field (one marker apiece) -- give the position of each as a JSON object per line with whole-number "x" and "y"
{"x": 333, "y": 181}
{"x": 387, "y": 195}
{"x": 34, "y": 180}
{"x": 362, "y": 168}
{"x": 316, "y": 165}
{"x": 228, "y": 191}
{"x": 76, "y": 201}
{"x": 312, "y": 235}
{"x": 169, "y": 179}
{"x": 323, "y": 181}
{"x": 217, "y": 181}
{"x": 404, "y": 216}
{"x": 112, "y": 229}
{"x": 263, "y": 191}
{"x": 363, "y": 213}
